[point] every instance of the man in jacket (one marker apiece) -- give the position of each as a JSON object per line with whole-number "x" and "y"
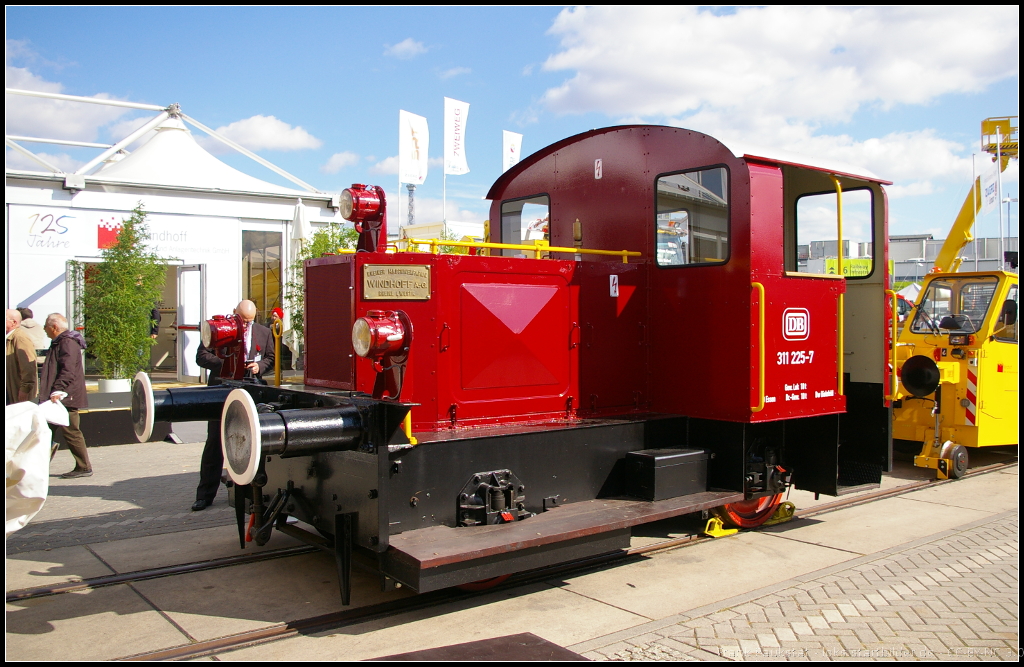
{"x": 63, "y": 380}
{"x": 257, "y": 343}
{"x": 33, "y": 329}
{"x": 21, "y": 362}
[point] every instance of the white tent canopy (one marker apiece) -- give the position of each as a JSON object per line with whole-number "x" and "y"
{"x": 173, "y": 158}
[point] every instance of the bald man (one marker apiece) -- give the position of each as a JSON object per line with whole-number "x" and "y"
{"x": 21, "y": 361}
{"x": 258, "y": 343}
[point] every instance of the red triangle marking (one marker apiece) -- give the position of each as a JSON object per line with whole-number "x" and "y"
{"x": 514, "y": 305}
{"x": 625, "y": 291}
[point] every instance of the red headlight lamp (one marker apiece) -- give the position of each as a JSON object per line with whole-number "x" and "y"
{"x": 221, "y": 331}
{"x": 380, "y": 334}
{"x": 360, "y": 204}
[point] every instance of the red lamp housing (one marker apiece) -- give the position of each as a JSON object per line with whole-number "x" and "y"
{"x": 378, "y": 335}
{"x": 361, "y": 204}
{"x": 384, "y": 337}
{"x": 366, "y": 208}
{"x": 221, "y": 331}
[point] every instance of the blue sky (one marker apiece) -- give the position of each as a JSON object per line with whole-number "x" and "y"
{"x": 317, "y": 91}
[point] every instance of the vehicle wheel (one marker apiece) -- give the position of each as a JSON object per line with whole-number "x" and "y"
{"x": 749, "y": 513}
{"x": 483, "y": 584}
{"x": 959, "y": 458}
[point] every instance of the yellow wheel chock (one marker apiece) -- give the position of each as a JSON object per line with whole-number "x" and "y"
{"x": 783, "y": 513}
{"x": 714, "y": 528}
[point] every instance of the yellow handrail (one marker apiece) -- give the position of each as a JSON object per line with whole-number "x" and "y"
{"x": 538, "y": 247}
{"x": 839, "y": 270}
{"x": 760, "y": 347}
{"x": 276, "y": 328}
{"x": 895, "y": 333}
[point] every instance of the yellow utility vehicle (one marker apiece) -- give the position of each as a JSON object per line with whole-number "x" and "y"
{"x": 957, "y": 359}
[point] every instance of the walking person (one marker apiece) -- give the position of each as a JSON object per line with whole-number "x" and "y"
{"x": 63, "y": 380}
{"x": 259, "y": 356}
{"x": 21, "y": 362}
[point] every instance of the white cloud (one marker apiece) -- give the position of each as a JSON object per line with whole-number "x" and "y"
{"x": 912, "y": 190}
{"x": 455, "y": 71}
{"x": 406, "y": 49}
{"x": 428, "y": 210}
{"x": 816, "y": 64}
{"x": 52, "y": 119}
{"x": 339, "y": 161}
{"x": 388, "y": 165}
{"x": 265, "y": 133}
{"x": 15, "y": 160}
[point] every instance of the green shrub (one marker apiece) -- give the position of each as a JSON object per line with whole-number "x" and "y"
{"x": 117, "y": 298}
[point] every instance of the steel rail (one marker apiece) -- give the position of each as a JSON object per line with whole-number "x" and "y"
{"x": 348, "y": 617}
{"x": 156, "y": 573}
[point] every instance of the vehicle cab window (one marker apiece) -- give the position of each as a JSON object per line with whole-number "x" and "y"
{"x": 1006, "y": 325}
{"x": 955, "y": 306}
{"x": 524, "y": 221}
{"x": 692, "y": 219}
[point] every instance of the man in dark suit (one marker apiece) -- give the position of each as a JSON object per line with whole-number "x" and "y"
{"x": 63, "y": 379}
{"x": 258, "y": 346}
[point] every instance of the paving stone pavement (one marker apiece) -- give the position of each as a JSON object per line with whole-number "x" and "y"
{"x": 136, "y": 490}
{"x": 954, "y": 597}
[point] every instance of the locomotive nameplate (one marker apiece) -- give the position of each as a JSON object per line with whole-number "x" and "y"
{"x": 389, "y": 282}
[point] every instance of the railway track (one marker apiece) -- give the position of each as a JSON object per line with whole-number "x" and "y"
{"x": 348, "y": 617}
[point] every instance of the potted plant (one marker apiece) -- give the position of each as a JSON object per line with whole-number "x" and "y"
{"x": 117, "y": 298}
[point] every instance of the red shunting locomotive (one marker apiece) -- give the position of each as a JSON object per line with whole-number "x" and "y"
{"x": 637, "y": 339}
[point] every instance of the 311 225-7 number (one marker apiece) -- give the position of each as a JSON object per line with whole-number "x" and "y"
{"x": 795, "y": 357}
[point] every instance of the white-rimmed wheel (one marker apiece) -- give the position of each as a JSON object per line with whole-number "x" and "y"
{"x": 240, "y": 436}
{"x": 142, "y": 407}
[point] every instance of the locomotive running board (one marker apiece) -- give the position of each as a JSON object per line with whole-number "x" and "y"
{"x": 440, "y": 556}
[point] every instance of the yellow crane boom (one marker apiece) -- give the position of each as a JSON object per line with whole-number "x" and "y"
{"x": 998, "y": 138}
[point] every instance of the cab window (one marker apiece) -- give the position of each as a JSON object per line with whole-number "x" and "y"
{"x": 817, "y": 243}
{"x": 1006, "y": 325}
{"x": 954, "y": 306}
{"x": 692, "y": 217}
{"x": 524, "y": 221}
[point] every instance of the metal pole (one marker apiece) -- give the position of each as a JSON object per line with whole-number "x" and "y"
{"x": 974, "y": 210}
{"x": 999, "y": 194}
{"x": 62, "y": 142}
{"x": 251, "y": 155}
{"x": 161, "y": 117}
{"x": 87, "y": 100}
{"x": 32, "y": 156}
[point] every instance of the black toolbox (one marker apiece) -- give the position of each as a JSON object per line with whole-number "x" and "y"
{"x": 657, "y": 474}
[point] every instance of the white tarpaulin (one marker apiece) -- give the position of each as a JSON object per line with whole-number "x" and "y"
{"x": 456, "y": 114}
{"x": 910, "y": 292}
{"x": 26, "y": 463}
{"x": 413, "y": 143}
{"x": 511, "y": 146}
{"x": 300, "y": 225}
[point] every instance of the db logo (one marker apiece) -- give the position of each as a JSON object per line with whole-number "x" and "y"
{"x": 796, "y": 324}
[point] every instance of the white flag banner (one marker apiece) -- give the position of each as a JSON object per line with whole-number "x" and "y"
{"x": 989, "y": 188}
{"x": 413, "y": 143}
{"x": 511, "y": 146}
{"x": 455, "y": 115}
